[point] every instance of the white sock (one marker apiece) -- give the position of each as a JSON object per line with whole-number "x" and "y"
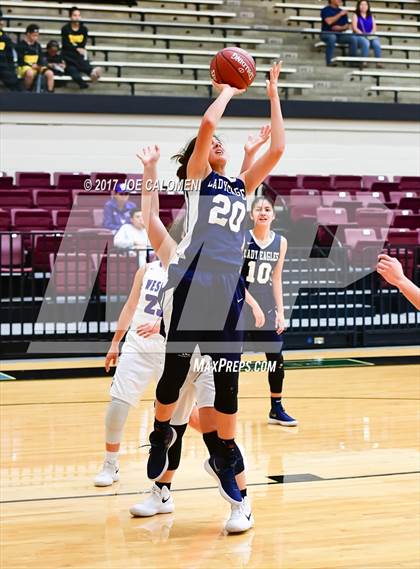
{"x": 111, "y": 456}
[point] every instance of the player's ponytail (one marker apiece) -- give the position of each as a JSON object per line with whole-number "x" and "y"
{"x": 183, "y": 158}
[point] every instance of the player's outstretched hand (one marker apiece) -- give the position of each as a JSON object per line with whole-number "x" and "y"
{"x": 258, "y": 315}
{"x": 149, "y": 155}
{"x": 147, "y": 330}
{"x": 255, "y": 141}
{"x": 272, "y": 83}
{"x": 111, "y": 357}
{"x": 390, "y": 269}
{"x": 219, "y": 87}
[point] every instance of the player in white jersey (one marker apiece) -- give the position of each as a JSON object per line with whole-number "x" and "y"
{"x": 141, "y": 361}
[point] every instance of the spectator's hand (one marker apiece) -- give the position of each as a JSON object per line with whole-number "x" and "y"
{"x": 255, "y": 142}
{"x": 280, "y": 323}
{"x": 147, "y": 330}
{"x": 272, "y": 83}
{"x": 81, "y": 50}
{"x": 149, "y": 155}
{"x": 258, "y": 315}
{"x": 391, "y": 270}
{"x": 111, "y": 358}
{"x": 344, "y": 12}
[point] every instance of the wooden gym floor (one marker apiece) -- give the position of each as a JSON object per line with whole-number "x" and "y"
{"x": 345, "y": 496}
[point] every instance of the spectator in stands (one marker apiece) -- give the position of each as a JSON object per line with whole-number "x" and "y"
{"x": 391, "y": 270}
{"x": 7, "y": 62}
{"x": 133, "y": 235}
{"x": 74, "y": 37}
{"x": 117, "y": 209}
{"x": 31, "y": 60}
{"x": 363, "y": 23}
{"x": 55, "y": 60}
{"x": 335, "y": 24}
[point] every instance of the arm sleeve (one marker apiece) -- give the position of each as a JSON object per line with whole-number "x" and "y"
{"x": 86, "y": 35}
{"x": 65, "y": 42}
{"x": 122, "y": 238}
{"x": 10, "y": 56}
{"x": 42, "y": 60}
{"x": 20, "y": 53}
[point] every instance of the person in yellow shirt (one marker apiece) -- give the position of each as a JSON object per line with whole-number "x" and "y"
{"x": 74, "y": 36}
{"x": 31, "y": 60}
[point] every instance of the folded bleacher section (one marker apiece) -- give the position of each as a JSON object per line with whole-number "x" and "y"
{"x": 164, "y": 47}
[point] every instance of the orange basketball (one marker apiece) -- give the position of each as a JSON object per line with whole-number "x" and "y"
{"x": 233, "y": 66}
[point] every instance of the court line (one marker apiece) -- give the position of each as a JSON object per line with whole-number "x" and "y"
{"x": 365, "y": 363}
{"x": 245, "y": 397}
{"x": 313, "y": 478}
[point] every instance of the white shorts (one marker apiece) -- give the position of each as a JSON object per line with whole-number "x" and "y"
{"x": 142, "y": 360}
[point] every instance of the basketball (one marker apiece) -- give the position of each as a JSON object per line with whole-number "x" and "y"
{"x": 233, "y": 66}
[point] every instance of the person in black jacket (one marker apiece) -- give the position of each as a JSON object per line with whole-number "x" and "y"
{"x": 54, "y": 58}
{"x": 31, "y": 60}
{"x": 7, "y": 64}
{"x": 74, "y": 36}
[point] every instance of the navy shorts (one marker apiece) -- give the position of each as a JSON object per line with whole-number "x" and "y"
{"x": 204, "y": 308}
{"x": 265, "y": 339}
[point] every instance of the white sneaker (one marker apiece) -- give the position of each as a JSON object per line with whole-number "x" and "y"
{"x": 108, "y": 475}
{"x": 159, "y": 502}
{"x": 241, "y": 518}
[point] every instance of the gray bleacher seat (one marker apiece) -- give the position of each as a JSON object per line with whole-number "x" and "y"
{"x": 378, "y": 74}
{"x": 298, "y": 6}
{"x": 396, "y": 89}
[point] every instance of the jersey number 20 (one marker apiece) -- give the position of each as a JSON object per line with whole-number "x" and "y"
{"x": 234, "y": 212}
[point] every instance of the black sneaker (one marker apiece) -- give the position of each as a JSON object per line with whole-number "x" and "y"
{"x": 157, "y": 463}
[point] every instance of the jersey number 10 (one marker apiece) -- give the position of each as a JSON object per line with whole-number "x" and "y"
{"x": 263, "y": 275}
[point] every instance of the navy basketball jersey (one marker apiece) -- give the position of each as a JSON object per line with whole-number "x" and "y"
{"x": 258, "y": 265}
{"x": 214, "y": 224}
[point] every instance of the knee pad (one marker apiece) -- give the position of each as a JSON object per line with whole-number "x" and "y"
{"x": 115, "y": 419}
{"x": 174, "y": 453}
{"x": 173, "y": 377}
{"x": 276, "y": 377}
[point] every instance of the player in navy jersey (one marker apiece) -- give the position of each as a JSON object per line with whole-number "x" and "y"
{"x": 264, "y": 253}
{"x": 204, "y": 294}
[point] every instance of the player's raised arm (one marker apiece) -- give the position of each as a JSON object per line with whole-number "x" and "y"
{"x": 125, "y": 318}
{"x": 278, "y": 287}
{"x": 391, "y": 270}
{"x": 265, "y": 164}
{"x": 159, "y": 238}
{"x": 198, "y": 165}
{"x": 253, "y": 144}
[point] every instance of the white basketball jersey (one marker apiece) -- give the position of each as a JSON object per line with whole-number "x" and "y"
{"x": 148, "y": 309}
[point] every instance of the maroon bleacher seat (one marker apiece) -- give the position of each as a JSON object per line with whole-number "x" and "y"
{"x": 94, "y": 240}
{"x": 328, "y": 198}
{"x": 401, "y": 236}
{"x": 44, "y": 247}
{"x": 351, "y": 206}
{"x": 331, "y": 215}
{"x": 56, "y": 176}
{"x": 396, "y": 212}
{"x": 72, "y": 219}
{"x": 71, "y": 273}
{"x": 12, "y": 252}
{"x": 166, "y": 217}
{"x": 408, "y": 221}
{"x": 280, "y": 184}
{"x": 71, "y": 181}
{"x": 410, "y": 203}
{"x": 115, "y": 272}
{"x": 33, "y": 179}
{"x": 364, "y": 246}
{"x": 6, "y": 183}
{"x": 4, "y": 220}
{"x": 369, "y": 197}
{"x": 92, "y": 199}
{"x": 369, "y": 180}
{"x": 316, "y": 182}
{"x": 385, "y": 188}
{"x": 397, "y": 196}
{"x": 16, "y": 199}
{"x": 374, "y": 217}
{"x": 31, "y": 219}
{"x": 346, "y": 182}
{"x": 98, "y": 217}
{"x": 171, "y": 201}
{"x": 303, "y": 203}
{"x": 46, "y": 199}
{"x": 100, "y": 179}
{"x": 413, "y": 180}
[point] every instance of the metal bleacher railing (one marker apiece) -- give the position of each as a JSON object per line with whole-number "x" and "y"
{"x": 77, "y": 292}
